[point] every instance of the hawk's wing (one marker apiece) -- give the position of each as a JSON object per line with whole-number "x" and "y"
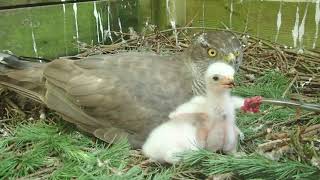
{"x": 125, "y": 93}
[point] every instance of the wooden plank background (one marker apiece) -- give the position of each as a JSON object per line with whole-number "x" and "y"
{"x": 260, "y": 18}
{"x": 255, "y": 17}
{"x": 53, "y": 32}
{"x": 46, "y": 31}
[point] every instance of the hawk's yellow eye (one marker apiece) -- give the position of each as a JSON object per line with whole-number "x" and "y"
{"x": 212, "y": 52}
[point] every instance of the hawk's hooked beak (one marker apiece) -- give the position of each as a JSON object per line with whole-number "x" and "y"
{"x": 230, "y": 57}
{"x": 227, "y": 82}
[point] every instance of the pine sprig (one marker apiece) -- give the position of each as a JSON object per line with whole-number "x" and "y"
{"x": 271, "y": 85}
{"x": 22, "y": 163}
{"x": 33, "y": 144}
{"x": 250, "y": 166}
{"x": 40, "y": 147}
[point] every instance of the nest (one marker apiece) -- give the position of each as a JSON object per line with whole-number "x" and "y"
{"x": 303, "y": 70}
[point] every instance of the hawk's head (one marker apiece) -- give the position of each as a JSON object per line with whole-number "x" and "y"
{"x": 216, "y": 46}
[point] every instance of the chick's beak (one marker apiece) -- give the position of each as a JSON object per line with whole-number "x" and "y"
{"x": 228, "y": 82}
{"x": 230, "y": 57}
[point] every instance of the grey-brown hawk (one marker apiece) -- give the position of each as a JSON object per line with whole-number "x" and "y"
{"x": 126, "y": 94}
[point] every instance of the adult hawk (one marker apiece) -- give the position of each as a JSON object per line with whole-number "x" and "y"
{"x": 126, "y": 94}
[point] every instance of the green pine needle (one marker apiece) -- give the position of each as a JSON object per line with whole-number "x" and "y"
{"x": 252, "y": 166}
{"x": 271, "y": 85}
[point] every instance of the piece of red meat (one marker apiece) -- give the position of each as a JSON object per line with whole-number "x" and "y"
{"x": 252, "y": 104}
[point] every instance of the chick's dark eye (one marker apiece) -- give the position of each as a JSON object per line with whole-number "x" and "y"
{"x": 215, "y": 78}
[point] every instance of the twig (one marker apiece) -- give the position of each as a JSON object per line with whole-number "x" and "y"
{"x": 311, "y": 130}
{"x": 283, "y": 138}
{"x": 293, "y": 120}
{"x": 289, "y": 86}
{"x": 250, "y": 70}
{"x": 37, "y": 173}
{"x": 265, "y": 132}
{"x": 278, "y": 136}
{"x": 4, "y": 120}
{"x": 273, "y": 144}
{"x": 14, "y": 106}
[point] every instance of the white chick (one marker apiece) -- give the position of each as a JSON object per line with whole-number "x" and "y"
{"x": 175, "y": 136}
{"x": 223, "y": 132}
{"x": 218, "y": 131}
{"x": 203, "y": 122}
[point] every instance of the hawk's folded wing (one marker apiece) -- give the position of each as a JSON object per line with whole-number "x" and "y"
{"x": 128, "y": 94}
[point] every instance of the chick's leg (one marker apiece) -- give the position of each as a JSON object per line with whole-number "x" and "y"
{"x": 216, "y": 138}
{"x": 231, "y": 139}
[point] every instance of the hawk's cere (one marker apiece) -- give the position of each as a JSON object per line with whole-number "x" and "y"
{"x": 126, "y": 94}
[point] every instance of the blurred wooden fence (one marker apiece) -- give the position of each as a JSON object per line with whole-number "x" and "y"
{"x": 52, "y": 28}
{"x": 293, "y": 23}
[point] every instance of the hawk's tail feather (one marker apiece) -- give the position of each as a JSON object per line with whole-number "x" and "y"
{"x": 23, "y": 91}
{"x": 13, "y": 61}
{"x": 22, "y": 77}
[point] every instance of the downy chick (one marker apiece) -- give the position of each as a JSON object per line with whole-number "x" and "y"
{"x": 222, "y": 130}
{"x": 172, "y": 137}
{"x": 195, "y": 122}
{"x": 217, "y": 129}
